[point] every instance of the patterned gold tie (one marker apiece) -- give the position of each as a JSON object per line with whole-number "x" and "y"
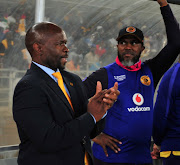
{"x": 61, "y": 85}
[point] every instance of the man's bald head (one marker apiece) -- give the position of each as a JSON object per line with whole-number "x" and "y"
{"x": 39, "y": 33}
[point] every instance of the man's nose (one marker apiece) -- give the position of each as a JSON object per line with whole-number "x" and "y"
{"x": 66, "y": 48}
{"x": 128, "y": 46}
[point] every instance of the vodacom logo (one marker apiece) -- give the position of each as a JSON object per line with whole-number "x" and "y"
{"x": 138, "y": 99}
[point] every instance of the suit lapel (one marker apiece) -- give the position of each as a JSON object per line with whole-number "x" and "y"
{"x": 53, "y": 85}
{"x": 71, "y": 88}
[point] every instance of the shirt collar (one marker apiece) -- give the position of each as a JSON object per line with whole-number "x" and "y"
{"x": 47, "y": 70}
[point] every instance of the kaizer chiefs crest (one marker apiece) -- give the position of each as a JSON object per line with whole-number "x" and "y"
{"x": 145, "y": 80}
{"x": 130, "y": 29}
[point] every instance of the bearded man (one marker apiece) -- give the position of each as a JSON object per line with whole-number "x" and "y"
{"x": 126, "y": 138}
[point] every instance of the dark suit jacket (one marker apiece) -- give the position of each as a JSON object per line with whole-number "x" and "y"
{"x": 50, "y": 132}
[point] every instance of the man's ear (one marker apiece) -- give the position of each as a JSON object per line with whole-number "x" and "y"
{"x": 37, "y": 48}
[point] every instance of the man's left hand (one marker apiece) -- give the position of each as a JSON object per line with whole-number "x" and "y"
{"x": 111, "y": 97}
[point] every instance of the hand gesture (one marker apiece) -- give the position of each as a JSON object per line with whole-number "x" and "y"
{"x": 102, "y": 100}
{"x": 105, "y": 140}
{"x": 111, "y": 96}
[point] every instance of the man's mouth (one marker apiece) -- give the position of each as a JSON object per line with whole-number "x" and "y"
{"x": 128, "y": 54}
{"x": 66, "y": 56}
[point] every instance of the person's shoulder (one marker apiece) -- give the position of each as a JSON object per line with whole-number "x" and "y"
{"x": 101, "y": 70}
{"x": 148, "y": 63}
{"x": 98, "y": 74}
{"x": 30, "y": 85}
{"x": 144, "y": 64}
{"x": 174, "y": 69}
{"x": 110, "y": 65}
{"x": 30, "y": 79}
{"x": 171, "y": 74}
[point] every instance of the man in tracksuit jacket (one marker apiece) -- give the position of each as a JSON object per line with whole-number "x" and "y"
{"x": 166, "y": 121}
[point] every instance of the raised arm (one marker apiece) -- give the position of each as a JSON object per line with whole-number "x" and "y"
{"x": 162, "y": 62}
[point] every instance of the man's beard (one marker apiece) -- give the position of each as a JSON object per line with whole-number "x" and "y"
{"x": 131, "y": 62}
{"x": 61, "y": 66}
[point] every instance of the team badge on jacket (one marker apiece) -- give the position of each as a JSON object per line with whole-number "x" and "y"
{"x": 145, "y": 80}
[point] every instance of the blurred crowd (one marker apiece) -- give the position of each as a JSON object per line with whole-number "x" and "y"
{"x": 91, "y": 45}
{"x": 13, "y": 25}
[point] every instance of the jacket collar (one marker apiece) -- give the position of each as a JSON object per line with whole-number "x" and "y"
{"x": 53, "y": 85}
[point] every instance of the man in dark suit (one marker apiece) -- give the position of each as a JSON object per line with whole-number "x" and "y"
{"x": 53, "y": 130}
